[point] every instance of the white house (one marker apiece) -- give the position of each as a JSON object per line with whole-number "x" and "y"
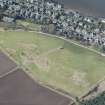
{"x": 8, "y": 19}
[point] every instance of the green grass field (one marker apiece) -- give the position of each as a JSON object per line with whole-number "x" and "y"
{"x": 73, "y": 69}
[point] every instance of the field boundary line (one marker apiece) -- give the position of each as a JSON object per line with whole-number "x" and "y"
{"x": 13, "y": 60}
{"x": 10, "y": 72}
{"x": 7, "y": 54}
{"x": 9, "y": 57}
{"x": 29, "y": 73}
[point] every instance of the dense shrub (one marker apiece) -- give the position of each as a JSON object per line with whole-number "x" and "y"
{"x": 99, "y": 100}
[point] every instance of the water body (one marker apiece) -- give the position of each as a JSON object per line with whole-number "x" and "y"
{"x": 87, "y": 7}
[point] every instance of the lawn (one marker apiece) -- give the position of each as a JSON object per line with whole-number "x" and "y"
{"x": 71, "y": 68}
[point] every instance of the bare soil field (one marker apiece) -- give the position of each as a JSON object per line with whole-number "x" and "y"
{"x": 6, "y": 65}
{"x": 19, "y": 89}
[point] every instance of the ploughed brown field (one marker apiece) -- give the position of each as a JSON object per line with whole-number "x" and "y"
{"x": 6, "y": 65}
{"x": 17, "y": 88}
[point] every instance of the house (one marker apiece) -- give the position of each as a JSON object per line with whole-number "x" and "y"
{"x": 8, "y": 19}
{"x": 103, "y": 20}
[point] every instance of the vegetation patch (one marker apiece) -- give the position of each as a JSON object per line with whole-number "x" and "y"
{"x": 99, "y": 100}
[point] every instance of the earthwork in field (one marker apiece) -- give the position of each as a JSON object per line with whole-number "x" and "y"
{"x": 55, "y": 62}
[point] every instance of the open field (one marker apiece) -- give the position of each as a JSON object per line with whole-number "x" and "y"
{"x": 54, "y": 61}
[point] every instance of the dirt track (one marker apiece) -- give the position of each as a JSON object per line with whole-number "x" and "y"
{"x": 17, "y": 88}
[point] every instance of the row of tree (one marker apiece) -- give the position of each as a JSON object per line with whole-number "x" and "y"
{"x": 99, "y": 100}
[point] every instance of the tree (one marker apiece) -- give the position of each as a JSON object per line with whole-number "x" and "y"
{"x": 99, "y": 100}
{"x": 103, "y": 47}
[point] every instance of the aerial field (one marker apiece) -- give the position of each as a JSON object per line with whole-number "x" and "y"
{"x": 55, "y": 62}
{"x": 22, "y": 90}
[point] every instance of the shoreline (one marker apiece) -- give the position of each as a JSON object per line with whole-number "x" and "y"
{"x": 85, "y": 8}
{"x": 84, "y": 12}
